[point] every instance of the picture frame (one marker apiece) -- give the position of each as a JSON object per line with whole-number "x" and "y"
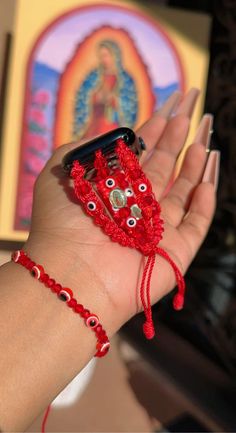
{"x": 56, "y": 79}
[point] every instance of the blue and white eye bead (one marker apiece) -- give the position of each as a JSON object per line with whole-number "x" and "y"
{"x": 129, "y": 192}
{"x": 131, "y": 222}
{"x": 91, "y": 205}
{"x": 92, "y": 321}
{"x": 142, "y": 187}
{"x": 110, "y": 182}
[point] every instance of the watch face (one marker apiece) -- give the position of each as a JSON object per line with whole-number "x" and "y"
{"x": 85, "y": 153}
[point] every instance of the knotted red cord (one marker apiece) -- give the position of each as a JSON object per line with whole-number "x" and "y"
{"x": 178, "y": 301}
{"x": 148, "y": 326}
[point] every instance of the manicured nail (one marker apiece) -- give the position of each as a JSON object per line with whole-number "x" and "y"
{"x": 204, "y": 131}
{"x": 212, "y": 169}
{"x": 187, "y": 104}
{"x": 170, "y": 105}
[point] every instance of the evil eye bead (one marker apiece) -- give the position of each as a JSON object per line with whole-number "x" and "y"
{"x": 91, "y": 205}
{"x": 92, "y": 321}
{"x": 129, "y": 192}
{"x": 37, "y": 271}
{"x": 131, "y": 222}
{"x": 103, "y": 347}
{"x": 16, "y": 255}
{"x": 142, "y": 187}
{"x": 110, "y": 182}
{"x": 65, "y": 295}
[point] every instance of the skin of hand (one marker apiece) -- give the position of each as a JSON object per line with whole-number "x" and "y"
{"x": 44, "y": 345}
{"x": 66, "y": 242}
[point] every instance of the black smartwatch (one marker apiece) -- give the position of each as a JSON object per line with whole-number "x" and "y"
{"x": 85, "y": 153}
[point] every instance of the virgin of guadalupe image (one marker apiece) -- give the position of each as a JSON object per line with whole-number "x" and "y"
{"x": 107, "y": 98}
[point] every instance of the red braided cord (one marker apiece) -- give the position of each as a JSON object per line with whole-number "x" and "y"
{"x": 148, "y": 326}
{"x": 178, "y": 301}
{"x": 101, "y": 165}
{"x": 142, "y": 287}
{"x": 148, "y": 229}
{"x": 85, "y": 193}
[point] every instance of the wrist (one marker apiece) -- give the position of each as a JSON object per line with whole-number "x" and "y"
{"x": 51, "y": 346}
{"x": 65, "y": 263}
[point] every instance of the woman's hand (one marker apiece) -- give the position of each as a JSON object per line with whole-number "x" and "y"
{"x": 70, "y": 247}
{"x": 49, "y": 342}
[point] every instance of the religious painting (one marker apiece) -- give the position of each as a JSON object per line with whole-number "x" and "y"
{"x": 104, "y": 94}
{"x": 84, "y": 69}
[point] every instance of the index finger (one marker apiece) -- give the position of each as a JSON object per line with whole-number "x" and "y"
{"x": 153, "y": 128}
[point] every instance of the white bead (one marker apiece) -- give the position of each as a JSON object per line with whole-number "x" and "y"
{"x": 36, "y": 272}
{"x": 15, "y": 256}
{"x": 105, "y": 346}
{"x": 64, "y": 292}
{"x": 89, "y": 319}
{"x": 110, "y": 182}
{"x": 131, "y": 222}
{"x": 91, "y": 205}
{"x": 142, "y": 187}
{"x": 129, "y": 192}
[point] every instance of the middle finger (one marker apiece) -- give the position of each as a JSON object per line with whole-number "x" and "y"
{"x": 161, "y": 161}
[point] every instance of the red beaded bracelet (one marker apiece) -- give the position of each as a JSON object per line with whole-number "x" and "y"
{"x": 65, "y": 294}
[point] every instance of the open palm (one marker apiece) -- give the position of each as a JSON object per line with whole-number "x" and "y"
{"x": 187, "y": 210}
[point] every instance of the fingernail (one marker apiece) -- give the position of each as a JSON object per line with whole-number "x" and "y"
{"x": 187, "y": 105}
{"x": 203, "y": 134}
{"x": 170, "y": 105}
{"x": 212, "y": 169}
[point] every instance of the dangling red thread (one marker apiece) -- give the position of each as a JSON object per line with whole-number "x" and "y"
{"x": 148, "y": 326}
{"x": 45, "y": 418}
{"x": 178, "y": 301}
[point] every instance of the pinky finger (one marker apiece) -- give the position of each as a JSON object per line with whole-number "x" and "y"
{"x": 196, "y": 223}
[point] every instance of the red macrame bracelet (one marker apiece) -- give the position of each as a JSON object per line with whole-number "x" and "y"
{"x": 121, "y": 201}
{"x": 65, "y": 294}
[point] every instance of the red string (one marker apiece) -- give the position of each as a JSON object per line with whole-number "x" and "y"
{"x": 148, "y": 326}
{"x": 45, "y": 418}
{"x": 178, "y": 301}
